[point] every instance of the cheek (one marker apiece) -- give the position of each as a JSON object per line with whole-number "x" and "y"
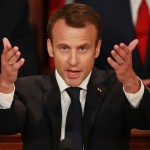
{"x": 59, "y": 60}
{"x": 88, "y": 59}
{"x": 59, "y": 65}
{"x": 88, "y": 62}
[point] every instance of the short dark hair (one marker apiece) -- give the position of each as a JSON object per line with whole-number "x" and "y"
{"x": 76, "y": 15}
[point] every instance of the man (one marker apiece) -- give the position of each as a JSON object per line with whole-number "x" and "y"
{"x": 119, "y": 20}
{"x": 112, "y": 102}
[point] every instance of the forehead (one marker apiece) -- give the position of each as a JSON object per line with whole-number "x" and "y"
{"x": 62, "y": 23}
{"x": 63, "y": 31}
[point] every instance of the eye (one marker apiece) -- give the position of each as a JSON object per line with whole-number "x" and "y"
{"x": 64, "y": 48}
{"x": 83, "y": 49}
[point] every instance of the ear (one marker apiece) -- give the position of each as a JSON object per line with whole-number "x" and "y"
{"x": 98, "y": 46}
{"x": 50, "y": 48}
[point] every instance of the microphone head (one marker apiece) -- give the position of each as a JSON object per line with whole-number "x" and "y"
{"x": 66, "y": 144}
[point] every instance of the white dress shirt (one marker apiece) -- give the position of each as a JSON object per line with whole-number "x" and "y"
{"x": 65, "y": 99}
{"x": 135, "y": 4}
{"x": 134, "y": 99}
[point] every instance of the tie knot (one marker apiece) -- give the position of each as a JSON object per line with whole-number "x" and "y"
{"x": 73, "y": 92}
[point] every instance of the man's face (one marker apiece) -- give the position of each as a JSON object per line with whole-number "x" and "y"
{"x": 74, "y": 51}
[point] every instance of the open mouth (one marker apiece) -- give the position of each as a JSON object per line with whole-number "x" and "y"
{"x": 73, "y": 73}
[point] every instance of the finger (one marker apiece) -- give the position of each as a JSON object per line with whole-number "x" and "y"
{"x": 113, "y": 63}
{"x": 11, "y": 52}
{"x": 15, "y": 58}
{"x": 116, "y": 57}
{"x": 6, "y": 44}
{"x": 124, "y": 47}
{"x": 126, "y": 52}
{"x": 122, "y": 51}
{"x": 133, "y": 44}
{"x": 18, "y": 64}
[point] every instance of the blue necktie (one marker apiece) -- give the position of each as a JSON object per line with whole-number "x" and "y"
{"x": 74, "y": 118}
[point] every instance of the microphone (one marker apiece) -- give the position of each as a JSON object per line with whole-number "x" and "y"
{"x": 66, "y": 144}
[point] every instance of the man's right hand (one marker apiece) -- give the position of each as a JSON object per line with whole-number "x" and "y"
{"x": 10, "y": 64}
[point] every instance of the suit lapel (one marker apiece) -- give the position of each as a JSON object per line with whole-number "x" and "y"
{"x": 52, "y": 107}
{"x": 94, "y": 100}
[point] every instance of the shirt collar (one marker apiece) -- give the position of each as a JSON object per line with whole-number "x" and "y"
{"x": 62, "y": 84}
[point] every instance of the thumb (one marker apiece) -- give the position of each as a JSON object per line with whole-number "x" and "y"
{"x": 133, "y": 44}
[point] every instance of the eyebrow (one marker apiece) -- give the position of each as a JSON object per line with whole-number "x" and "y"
{"x": 66, "y": 45}
{"x": 84, "y": 45}
{"x": 61, "y": 44}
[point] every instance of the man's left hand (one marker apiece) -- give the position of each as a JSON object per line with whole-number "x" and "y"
{"x": 121, "y": 61}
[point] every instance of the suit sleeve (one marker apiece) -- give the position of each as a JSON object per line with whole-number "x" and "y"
{"x": 12, "y": 120}
{"x": 139, "y": 117}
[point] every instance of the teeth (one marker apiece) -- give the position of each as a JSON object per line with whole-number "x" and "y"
{"x": 72, "y": 72}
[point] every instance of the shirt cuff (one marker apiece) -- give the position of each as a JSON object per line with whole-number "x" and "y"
{"x": 6, "y": 100}
{"x": 135, "y": 99}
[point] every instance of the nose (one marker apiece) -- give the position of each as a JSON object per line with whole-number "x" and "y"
{"x": 73, "y": 59}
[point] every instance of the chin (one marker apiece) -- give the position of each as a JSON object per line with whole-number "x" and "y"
{"x": 73, "y": 83}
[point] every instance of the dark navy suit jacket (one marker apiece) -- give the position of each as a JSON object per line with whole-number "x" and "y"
{"x": 107, "y": 120}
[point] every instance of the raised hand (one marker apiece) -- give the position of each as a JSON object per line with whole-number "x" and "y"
{"x": 10, "y": 64}
{"x": 122, "y": 64}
